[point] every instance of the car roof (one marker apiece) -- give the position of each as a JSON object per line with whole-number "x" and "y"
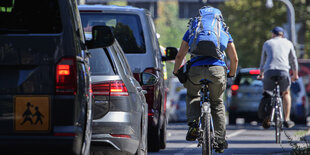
{"x": 112, "y": 8}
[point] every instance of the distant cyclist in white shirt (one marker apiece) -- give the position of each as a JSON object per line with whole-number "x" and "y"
{"x": 278, "y": 57}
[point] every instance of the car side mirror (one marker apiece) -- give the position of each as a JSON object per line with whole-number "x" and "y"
{"x": 171, "y": 53}
{"x": 148, "y": 78}
{"x": 102, "y": 36}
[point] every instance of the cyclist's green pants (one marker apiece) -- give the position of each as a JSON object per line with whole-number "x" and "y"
{"x": 216, "y": 74}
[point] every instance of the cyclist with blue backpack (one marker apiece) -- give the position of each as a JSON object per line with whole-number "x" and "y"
{"x": 206, "y": 40}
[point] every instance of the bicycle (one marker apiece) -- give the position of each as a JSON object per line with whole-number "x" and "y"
{"x": 206, "y": 129}
{"x": 276, "y": 115}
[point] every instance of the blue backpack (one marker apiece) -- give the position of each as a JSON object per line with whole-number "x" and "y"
{"x": 208, "y": 33}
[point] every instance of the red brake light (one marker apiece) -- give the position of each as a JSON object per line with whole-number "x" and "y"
{"x": 255, "y": 71}
{"x": 118, "y": 88}
{"x": 63, "y": 69}
{"x": 120, "y": 136}
{"x": 66, "y": 78}
{"x": 101, "y": 88}
{"x": 234, "y": 87}
{"x": 110, "y": 88}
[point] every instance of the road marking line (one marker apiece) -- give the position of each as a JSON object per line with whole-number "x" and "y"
{"x": 228, "y": 136}
{"x": 235, "y": 133}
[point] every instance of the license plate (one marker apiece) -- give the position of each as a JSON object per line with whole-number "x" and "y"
{"x": 32, "y": 113}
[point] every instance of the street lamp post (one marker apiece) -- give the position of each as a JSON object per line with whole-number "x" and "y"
{"x": 289, "y": 6}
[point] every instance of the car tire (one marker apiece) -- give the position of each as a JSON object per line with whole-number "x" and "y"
{"x": 154, "y": 139}
{"x": 87, "y": 133}
{"x": 163, "y": 135}
{"x": 141, "y": 150}
{"x": 232, "y": 119}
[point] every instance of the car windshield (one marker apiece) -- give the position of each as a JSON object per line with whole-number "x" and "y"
{"x": 29, "y": 16}
{"x": 100, "y": 63}
{"x": 126, "y": 28}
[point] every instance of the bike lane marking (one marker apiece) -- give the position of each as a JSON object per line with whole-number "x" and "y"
{"x": 236, "y": 133}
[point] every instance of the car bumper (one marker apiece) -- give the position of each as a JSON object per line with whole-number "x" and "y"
{"x": 44, "y": 144}
{"x": 116, "y": 123}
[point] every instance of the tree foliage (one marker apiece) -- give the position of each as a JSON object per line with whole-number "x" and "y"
{"x": 250, "y": 23}
{"x": 168, "y": 25}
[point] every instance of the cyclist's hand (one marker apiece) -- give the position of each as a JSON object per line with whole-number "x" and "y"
{"x": 260, "y": 77}
{"x": 294, "y": 78}
{"x": 230, "y": 76}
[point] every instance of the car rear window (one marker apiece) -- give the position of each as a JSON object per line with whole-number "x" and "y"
{"x": 248, "y": 80}
{"x": 101, "y": 63}
{"x": 126, "y": 27}
{"x": 30, "y": 16}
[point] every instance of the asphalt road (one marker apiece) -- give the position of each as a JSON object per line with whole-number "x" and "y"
{"x": 242, "y": 139}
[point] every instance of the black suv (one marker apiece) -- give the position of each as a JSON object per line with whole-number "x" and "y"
{"x": 45, "y": 93}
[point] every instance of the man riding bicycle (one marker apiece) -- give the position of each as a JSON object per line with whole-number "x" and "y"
{"x": 214, "y": 70}
{"x": 278, "y": 57}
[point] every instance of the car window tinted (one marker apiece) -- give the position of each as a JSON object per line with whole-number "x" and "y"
{"x": 127, "y": 29}
{"x": 100, "y": 63}
{"x": 30, "y": 16}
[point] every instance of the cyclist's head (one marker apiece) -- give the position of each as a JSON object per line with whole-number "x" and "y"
{"x": 278, "y": 31}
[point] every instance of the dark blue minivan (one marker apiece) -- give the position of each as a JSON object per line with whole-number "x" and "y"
{"x": 45, "y": 91}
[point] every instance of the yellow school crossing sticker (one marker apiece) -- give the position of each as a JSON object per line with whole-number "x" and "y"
{"x": 32, "y": 113}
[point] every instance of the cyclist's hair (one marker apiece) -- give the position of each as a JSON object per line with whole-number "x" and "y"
{"x": 280, "y": 34}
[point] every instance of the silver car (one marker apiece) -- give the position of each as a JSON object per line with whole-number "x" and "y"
{"x": 245, "y": 95}
{"x": 120, "y": 109}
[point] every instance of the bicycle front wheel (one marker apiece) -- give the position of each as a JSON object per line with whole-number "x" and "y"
{"x": 206, "y": 135}
{"x": 278, "y": 125}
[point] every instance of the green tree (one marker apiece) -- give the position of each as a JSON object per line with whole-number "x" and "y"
{"x": 170, "y": 27}
{"x": 250, "y": 23}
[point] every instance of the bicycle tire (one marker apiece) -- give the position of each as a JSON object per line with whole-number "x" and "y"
{"x": 278, "y": 126}
{"x": 206, "y": 144}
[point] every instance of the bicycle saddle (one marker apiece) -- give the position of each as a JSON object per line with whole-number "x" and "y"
{"x": 276, "y": 78}
{"x": 205, "y": 81}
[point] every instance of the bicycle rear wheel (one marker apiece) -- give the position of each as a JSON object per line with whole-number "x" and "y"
{"x": 206, "y": 144}
{"x": 278, "y": 125}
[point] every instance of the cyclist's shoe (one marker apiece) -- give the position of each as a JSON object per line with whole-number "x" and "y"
{"x": 221, "y": 147}
{"x": 266, "y": 123}
{"x": 288, "y": 124}
{"x": 192, "y": 132}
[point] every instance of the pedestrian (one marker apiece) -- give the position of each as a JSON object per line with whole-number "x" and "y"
{"x": 277, "y": 58}
{"x": 213, "y": 69}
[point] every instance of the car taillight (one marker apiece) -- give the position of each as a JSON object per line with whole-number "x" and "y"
{"x": 118, "y": 88}
{"x": 234, "y": 89}
{"x": 110, "y": 88}
{"x": 66, "y": 78}
{"x": 256, "y": 71}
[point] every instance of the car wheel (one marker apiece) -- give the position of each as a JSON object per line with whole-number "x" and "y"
{"x": 232, "y": 119}
{"x": 154, "y": 139}
{"x": 142, "y": 149}
{"x": 87, "y": 134}
{"x": 163, "y": 135}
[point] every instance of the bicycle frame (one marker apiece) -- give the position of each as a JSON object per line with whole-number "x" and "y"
{"x": 276, "y": 115}
{"x": 205, "y": 110}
